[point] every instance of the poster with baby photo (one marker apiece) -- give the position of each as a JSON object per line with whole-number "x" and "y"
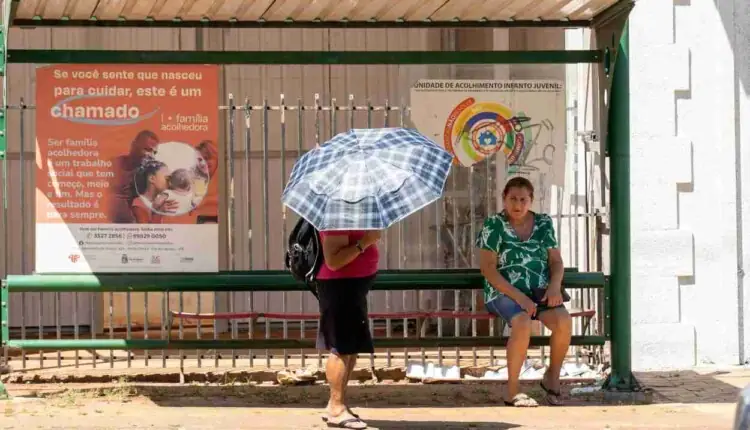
{"x": 127, "y": 162}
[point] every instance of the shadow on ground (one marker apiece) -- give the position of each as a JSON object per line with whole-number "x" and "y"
{"x": 692, "y": 387}
{"x": 313, "y": 396}
{"x": 432, "y": 425}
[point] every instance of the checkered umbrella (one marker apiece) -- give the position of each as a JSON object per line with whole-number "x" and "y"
{"x": 367, "y": 179}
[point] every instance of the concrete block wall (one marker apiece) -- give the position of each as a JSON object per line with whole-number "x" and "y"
{"x": 687, "y": 299}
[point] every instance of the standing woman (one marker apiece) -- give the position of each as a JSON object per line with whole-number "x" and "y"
{"x": 350, "y": 263}
{"x": 519, "y": 254}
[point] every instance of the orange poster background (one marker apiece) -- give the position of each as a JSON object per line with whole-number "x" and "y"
{"x": 82, "y": 168}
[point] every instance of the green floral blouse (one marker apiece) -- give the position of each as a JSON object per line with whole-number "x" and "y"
{"x": 522, "y": 263}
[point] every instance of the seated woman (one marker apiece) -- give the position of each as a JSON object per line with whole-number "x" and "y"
{"x": 519, "y": 253}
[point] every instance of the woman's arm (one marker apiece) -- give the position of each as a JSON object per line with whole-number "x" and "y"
{"x": 488, "y": 266}
{"x": 556, "y": 268}
{"x": 337, "y": 252}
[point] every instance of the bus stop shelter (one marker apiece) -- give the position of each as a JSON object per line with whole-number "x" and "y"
{"x": 606, "y": 18}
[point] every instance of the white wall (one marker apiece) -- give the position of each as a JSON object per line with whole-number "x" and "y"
{"x": 689, "y": 105}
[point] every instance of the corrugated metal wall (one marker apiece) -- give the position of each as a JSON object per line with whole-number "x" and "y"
{"x": 379, "y": 84}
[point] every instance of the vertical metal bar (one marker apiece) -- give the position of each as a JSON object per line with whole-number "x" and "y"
{"x": 217, "y": 355}
{"x": 388, "y": 322}
{"x": 4, "y": 331}
{"x": 128, "y": 328}
{"x": 22, "y": 135}
{"x": 352, "y": 108}
{"x": 41, "y": 324}
{"x": 318, "y": 109}
{"x": 576, "y": 217}
{"x": 231, "y": 230}
{"x": 300, "y": 150}
{"x": 402, "y": 112}
{"x": 181, "y": 326}
{"x": 456, "y": 262}
{"x": 92, "y": 301}
{"x": 489, "y": 209}
{"x": 438, "y": 265}
{"x": 198, "y": 329}
{"x": 76, "y": 329}
{"x": 4, "y": 294}
{"x": 369, "y": 302}
{"x": 58, "y": 328}
{"x": 619, "y": 149}
{"x": 284, "y": 295}
{"x": 248, "y": 198}
{"x": 591, "y": 294}
{"x": 266, "y": 223}
{"x": 164, "y": 309}
{"x": 472, "y": 233}
{"x": 400, "y": 234}
{"x": 145, "y": 327}
{"x": 110, "y": 312}
{"x": 333, "y": 111}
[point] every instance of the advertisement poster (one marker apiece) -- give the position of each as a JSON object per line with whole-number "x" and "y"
{"x": 521, "y": 120}
{"x": 127, "y": 160}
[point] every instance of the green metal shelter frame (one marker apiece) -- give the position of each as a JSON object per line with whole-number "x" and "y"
{"x": 611, "y": 55}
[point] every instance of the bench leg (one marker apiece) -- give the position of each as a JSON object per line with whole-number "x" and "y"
{"x": 586, "y": 325}
{"x": 3, "y": 392}
{"x": 423, "y": 325}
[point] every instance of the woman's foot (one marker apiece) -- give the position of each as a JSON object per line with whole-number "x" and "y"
{"x": 345, "y": 420}
{"x": 521, "y": 400}
{"x": 551, "y": 390}
{"x": 325, "y": 416}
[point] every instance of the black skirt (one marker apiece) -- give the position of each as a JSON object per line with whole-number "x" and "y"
{"x": 344, "y": 328}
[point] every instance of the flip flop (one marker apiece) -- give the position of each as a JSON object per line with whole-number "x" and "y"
{"x": 521, "y": 400}
{"x": 325, "y": 417}
{"x": 349, "y": 423}
{"x": 551, "y": 394}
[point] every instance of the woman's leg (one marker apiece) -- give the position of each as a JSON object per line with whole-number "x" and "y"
{"x": 517, "y": 348}
{"x": 344, "y": 331}
{"x": 336, "y": 375}
{"x": 559, "y": 322}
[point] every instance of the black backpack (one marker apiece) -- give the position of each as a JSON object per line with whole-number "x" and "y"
{"x": 304, "y": 254}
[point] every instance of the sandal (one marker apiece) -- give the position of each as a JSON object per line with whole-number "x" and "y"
{"x": 347, "y": 423}
{"x": 325, "y": 417}
{"x": 553, "y": 396}
{"x": 521, "y": 400}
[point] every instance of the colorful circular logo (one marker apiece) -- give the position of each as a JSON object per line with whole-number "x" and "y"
{"x": 475, "y": 130}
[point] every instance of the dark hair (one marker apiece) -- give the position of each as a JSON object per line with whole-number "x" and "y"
{"x": 149, "y": 166}
{"x": 180, "y": 179}
{"x": 144, "y": 135}
{"x": 208, "y": 149}
{"x": 518, "y": 182}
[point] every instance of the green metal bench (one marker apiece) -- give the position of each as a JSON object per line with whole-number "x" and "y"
{"x": 254, "y": 281}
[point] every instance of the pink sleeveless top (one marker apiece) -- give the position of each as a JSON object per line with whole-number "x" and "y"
{"x": 366, "y": 264}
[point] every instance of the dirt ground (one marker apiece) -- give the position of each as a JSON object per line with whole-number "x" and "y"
{"x": 191, "y": 413}
{"x": 397, "y": 406}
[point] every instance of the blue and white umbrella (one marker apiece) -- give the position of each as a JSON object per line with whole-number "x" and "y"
{"x": 367, "y": 179}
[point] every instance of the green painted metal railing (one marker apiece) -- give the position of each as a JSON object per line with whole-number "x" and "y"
{"x": 405, "y": 280}
{"x": 410, "y": 280}
{"x": 238, "y": 344}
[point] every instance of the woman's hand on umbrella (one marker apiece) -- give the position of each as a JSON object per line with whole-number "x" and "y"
{"x": 371, "y": 237}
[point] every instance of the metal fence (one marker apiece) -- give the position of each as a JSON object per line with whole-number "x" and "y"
{"x": 261, "y": 142}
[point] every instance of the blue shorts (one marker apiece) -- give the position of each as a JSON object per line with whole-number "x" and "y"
{"x": 506, "y": 308}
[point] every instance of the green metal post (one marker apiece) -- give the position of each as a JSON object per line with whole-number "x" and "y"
{"x": 4, "y": 296}
{"x": 4, "y": 333}
{"x": 618, "y": 136}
